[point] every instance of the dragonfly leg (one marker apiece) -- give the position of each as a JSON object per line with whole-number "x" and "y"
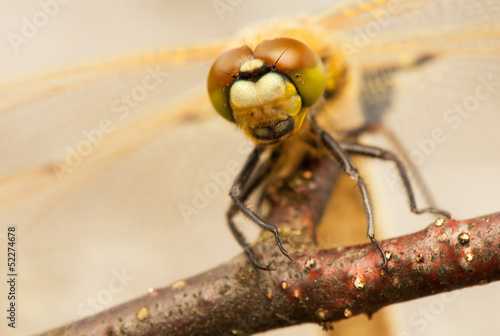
{"x": 383, "y": 154}
{"x": 351, "y": 170}
{"x": 243, "y": 186}
{"x": 241, "y": 239}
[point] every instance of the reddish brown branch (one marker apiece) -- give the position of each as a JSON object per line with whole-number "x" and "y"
{"x": 318, "y": 286}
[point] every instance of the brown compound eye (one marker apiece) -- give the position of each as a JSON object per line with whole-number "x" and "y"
{"x": 222, "y": 75}
{"x": 297, "y": 61}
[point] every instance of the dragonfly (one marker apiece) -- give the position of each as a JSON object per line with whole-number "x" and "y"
{"x": 97, "y": 151}
{"x": 268, "y": 92}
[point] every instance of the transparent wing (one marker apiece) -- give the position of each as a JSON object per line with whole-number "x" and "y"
{"x": 432, "y": 75}
{"x": 106, "y": 165}
{"x": 430, "y": 71}
{"x": 88, "y": 121}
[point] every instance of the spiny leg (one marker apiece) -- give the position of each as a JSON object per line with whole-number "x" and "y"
{"x": 243, "y": 186}
{"x": 241, "y": 239}
{"x": 253, "y": 181}
{"x": 383, "y": 154}
{"x": 350, "y": 169}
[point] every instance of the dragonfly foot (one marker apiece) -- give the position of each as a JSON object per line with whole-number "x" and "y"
{"x": 384, "y": 257}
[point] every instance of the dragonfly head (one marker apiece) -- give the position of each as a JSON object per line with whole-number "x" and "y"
{"x": 267, "y": 91}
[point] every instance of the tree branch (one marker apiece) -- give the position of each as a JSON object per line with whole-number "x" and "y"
{"x": 318, "y": 286}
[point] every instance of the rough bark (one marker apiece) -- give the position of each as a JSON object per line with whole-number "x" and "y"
{"x": 319, "y": 286}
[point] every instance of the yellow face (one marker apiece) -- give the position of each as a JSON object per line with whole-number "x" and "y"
{"x": 266, "y": 91}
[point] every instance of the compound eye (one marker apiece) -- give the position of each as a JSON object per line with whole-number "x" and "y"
{"x": 222, "y": 75}
{"x": 297, "y": 61}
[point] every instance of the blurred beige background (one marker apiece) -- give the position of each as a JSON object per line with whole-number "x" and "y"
{"x": 67, "y": 257}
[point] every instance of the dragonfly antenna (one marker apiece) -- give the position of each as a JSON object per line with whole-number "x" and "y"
{"x": 234, "y": 76}
{"x": 274, "y": 65}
